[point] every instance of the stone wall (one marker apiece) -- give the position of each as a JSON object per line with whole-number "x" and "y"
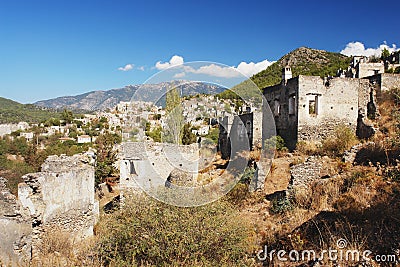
{"x": 304, "y": 174}
{"x": 365, "y": 69}
{"x": 337, "y": 103}
{"x": 286, "y": 122}
{"x": 150, "y": 164}
{"x": 61, "y": 195}
{"x": 237, "y": 133}
{"x": 385, "y": 81}
{"x": 15, "y": 229}
{"x": 390, "y": 81}
{"x": 310, "y": 108}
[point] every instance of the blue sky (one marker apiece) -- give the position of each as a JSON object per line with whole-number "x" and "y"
{"x": 56, "y": 48}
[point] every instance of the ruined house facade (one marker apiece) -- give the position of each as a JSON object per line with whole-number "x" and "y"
{"x": 360, "y": 67}
{"x": 311, "y": 108}
{"x": 60, "y": 197}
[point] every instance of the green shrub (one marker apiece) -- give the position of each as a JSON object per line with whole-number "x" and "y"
{"x": 281, "y": 205}
{"x": 149, "y": 233}
{"x": 275, "y": 141}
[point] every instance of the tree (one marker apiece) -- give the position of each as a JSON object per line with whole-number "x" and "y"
{"x": 174, "y": 120}
{"x": 106, "y": 156}
{"x": 67, "y": 116}
{"x": 187, "y": 136}
{"x": 385, "y": 54}
{"x": 155, "y": 134}
{"x": 213, "y": 134}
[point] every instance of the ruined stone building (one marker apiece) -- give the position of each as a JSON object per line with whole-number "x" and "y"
{"x": 60, "y": 197}
{"x": 310, "y": 108}
{"x": 393, "y": 61}
{"x": 233, "y": 130}
{"x": 360, "y": 68}
{"x": 147, "y": 165}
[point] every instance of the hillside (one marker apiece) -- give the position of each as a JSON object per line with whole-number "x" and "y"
{"x": 14, "y": 112}
{"x": 102, "y": 100}
{"x": 303, "y": 61}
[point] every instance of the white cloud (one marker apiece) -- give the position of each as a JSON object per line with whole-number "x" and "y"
{"x": 358, "y": 49}
{"x": 249, "y": 69}
{"x": 180, "y": 75}
{"x": 141, "y": 68}
{"x": 174, "y": 61}
{"x": 217, "y": 71}
{"x": 244, "y": 68}
{"x": 126, "y": 67}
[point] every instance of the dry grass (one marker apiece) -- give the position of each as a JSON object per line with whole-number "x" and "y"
{"x": 308, "y": 148}
{"x": 57, "y": 249}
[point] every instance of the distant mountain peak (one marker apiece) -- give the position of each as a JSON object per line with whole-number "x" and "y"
{"x": 107, "y": 99}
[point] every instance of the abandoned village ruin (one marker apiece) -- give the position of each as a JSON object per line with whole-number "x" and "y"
{"x": 304, "y": 108}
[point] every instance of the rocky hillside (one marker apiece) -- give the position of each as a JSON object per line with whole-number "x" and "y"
{"x": 102, "y": 100}
{"x": 303, "y": 61}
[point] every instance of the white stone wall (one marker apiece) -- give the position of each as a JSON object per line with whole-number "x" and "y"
{"x": 153, "y": 162}
{"x": 369, "y": 69}
{"x": 337, "y": 103}
{"x": 60, "y": 196}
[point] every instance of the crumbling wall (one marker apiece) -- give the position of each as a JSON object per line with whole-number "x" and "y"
{"x": 365, "y": 69}
{"x": 286, "y": 121}
{"x": 15, "y": 229}
{"x": 60, "y": 196}
{"x": 147, "y": 165}
{"x": 224, "y": 145}
{"x": 303, "y": 174}
{"x": 390, "y": 81}
{"x": 385, "y": 81}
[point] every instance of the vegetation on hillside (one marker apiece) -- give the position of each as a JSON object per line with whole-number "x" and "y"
{"x": 149, "y": 233}
{"x": 303, "y": 61}
{"x": 19, "y": 157}
{"x": 14, "y": 112}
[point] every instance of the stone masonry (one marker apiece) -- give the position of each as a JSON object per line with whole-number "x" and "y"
{"x": 310, "y": 108}
{"x": 60, "y": 196}
{"x": 147, "y": 165}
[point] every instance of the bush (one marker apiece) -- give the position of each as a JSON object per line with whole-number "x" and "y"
{"x": 276, "y": 142}
{"x": 149, "y": 233}
{"x": 343, "y": 139}
{"x": 281, "y": 205}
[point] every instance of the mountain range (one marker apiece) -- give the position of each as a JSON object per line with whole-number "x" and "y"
{"x": 303, "y": 61}
{"x": 103, "y": 100}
